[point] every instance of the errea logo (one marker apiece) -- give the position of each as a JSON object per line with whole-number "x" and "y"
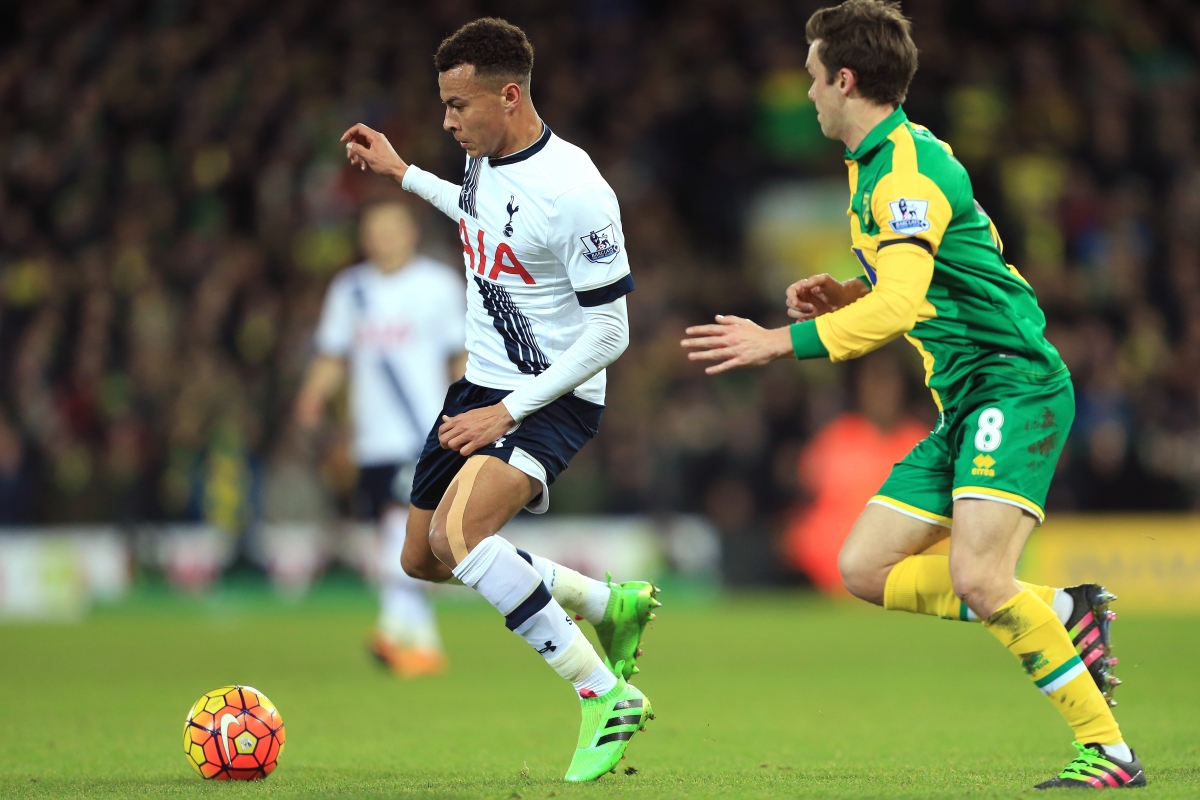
{"x": 983, "y": 466}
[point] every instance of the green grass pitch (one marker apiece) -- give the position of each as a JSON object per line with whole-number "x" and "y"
{"x": 757, "y": 696}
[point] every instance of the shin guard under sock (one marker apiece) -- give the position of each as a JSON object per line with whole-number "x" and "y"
{"x": 1031, "y": 632}
{"x": 515, "y": 589}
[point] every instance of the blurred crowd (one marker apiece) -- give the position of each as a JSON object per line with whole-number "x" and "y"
{"x": 174, "y": 199}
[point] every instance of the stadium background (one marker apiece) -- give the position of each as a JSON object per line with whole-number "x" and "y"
{"x": 174, "y": 200}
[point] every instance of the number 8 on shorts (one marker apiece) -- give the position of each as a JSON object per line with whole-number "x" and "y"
{"x": 988, "y": 437}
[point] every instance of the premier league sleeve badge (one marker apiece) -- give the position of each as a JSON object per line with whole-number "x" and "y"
{"x": 600, "y": 247}
{"x": 909, "y": 216}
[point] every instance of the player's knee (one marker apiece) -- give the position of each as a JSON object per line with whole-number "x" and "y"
{"x": 861, "y": 575}
{"x": 976, "y": 584}
{"x": 439, "y": 543}
{"x": 419, "y": 568}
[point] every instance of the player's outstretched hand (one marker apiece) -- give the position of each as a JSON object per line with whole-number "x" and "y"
{"x": 736, "y": 342}
{"x": 370, "y": 148}
{"x": 821, "y": 294}
{"x": 475, "y": 429}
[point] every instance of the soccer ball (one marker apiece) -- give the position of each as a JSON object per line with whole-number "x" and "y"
{"x": 233, "y": 733}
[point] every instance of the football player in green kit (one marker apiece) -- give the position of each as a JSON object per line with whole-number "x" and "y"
{"x": 935, "y": 273}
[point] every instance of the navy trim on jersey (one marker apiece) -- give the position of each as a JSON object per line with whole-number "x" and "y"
{"x": 466, "y": 196}
{"x": 521, "y": 155}
{"x": 863, "y": 260}
{"x": 921, "y": 243}
{"x": 606, "y": 294}
{"x": 514, "y": 327}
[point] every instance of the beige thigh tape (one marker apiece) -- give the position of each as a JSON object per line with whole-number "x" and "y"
{"x": 454, "y": 520}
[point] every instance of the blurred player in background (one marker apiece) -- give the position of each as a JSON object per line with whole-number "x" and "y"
{"x": 393, "y": 327}
{"x": 548, "y": 274}
{"x": 935, "y": 272}
{"x": 843, "y": 465}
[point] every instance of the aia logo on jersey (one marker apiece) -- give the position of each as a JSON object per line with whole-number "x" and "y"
{"x": 599, "y": 247}
{"x": 504, "y": 260}
{"x": 908, "y": 216}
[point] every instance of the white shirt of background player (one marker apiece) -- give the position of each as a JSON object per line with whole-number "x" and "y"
{"x": 395, "y": 321}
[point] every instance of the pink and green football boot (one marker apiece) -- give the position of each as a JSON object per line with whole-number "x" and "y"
{"x": 1090, "y": 629}
{"x": 1093, "y": 768}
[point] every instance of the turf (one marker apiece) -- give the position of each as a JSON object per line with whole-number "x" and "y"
{"x": 757, "y": 696}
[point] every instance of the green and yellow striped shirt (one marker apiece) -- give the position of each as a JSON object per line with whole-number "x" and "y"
{"x": 937, "y": 270}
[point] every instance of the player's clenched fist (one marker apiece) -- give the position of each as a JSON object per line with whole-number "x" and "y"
{"x": 821, "y": 294}
{"x": 736, "y": 342}
{"x": 370, "y": 148}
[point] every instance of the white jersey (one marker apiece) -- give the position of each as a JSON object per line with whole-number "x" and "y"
{"x": 541, "y": 237}
{"x": 399, "y": 330}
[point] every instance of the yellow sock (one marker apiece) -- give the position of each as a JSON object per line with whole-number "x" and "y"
{"x": 1031, "y": 631}
{"x": 921, "y": 585}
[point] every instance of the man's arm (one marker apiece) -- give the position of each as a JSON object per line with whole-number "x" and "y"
{"x": 601, "y": 279}
{"x": 325, "y": 376}
{"x": 823, "y": 294}
{"x": 904, "y": 273}
{"x": 834, "y": 321}
{"x": 602, "y": 342}
{"x": 370, "y": 148}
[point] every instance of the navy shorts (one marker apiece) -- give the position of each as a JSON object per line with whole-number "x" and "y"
{"x": 381, "y": 485}
{"x": 541, "y": 446}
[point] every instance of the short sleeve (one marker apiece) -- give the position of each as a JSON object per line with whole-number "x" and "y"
{"x": 585, "y": 234}
{"x": 335, "y": 331}
{"x": 910, "y": 209}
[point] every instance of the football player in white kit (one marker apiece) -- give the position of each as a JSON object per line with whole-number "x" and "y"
{"x": 547, "y": 276}
{"x": 395, "y": 321}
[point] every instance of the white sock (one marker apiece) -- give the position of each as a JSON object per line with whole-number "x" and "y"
{"x": 1064, "y": 607}
{"x": 515, "y": 589}
{"x": 1119, "y": 750}
{"x": 406, "y": 616}
{"x": 573, "y": 590}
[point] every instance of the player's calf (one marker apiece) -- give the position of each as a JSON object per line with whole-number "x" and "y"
{"x": 482, "y": 498}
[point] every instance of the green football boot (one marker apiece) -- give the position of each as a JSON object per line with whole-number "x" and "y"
{"x": 609, "y": 722}
{"x": 625, "y": 618}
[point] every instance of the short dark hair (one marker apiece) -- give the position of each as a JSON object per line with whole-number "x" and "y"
{"x": 496, "y": 48}
{"x": 872, "y": 39}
